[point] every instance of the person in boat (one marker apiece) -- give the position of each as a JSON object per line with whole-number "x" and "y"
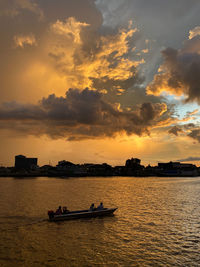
{"x": 51, "y": 214}
{"x": 100, "y": 207}
{"x": 92, "y": 207}
{"x": 59, "y": 210}
{"x": 65, "y": 210}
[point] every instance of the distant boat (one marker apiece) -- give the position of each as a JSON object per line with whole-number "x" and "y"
{"x": 71, "y": 215}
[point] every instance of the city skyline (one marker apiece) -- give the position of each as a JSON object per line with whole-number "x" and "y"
{"x": 29, "y": 167}
{"x": 100, "y": 81}
{"x": 93, "y": 162}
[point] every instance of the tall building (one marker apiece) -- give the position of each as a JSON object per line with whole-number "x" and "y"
{"x": 22, "y": 162}
{"x": 133, "y": 162}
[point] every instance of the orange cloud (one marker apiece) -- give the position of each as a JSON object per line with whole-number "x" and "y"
{"x": 179, "y": 74}
{"x": 193, "y": 112}
{"x": 71, "y": 27}
{"x": 194, "y": 32}
{"x": 24, "y": 40}
{"x": 98, "y": 57}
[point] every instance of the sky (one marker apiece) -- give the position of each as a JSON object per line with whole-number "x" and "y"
{"x": 100, "y": 81}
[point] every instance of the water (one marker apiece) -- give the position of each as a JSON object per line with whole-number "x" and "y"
{"x": 157, "y": 222}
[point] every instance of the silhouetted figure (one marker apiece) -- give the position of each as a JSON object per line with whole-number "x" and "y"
{"x": 65, "y": 210}
{"x": 100, "y": 207}
{"x": 59, "y": 210}
{"x": 92, "y": 207}
{"x": 51, "y": 214}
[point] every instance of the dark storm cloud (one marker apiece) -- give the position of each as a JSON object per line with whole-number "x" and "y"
{"x": 67, "y": 36}
{"x": 179, "y": 72}
{"x": 97, "y": 60}
{"x": 84, "y": 11}
{"x": 79, "y": 115}
{"x": 25, "y": 40}
{"x": 102, "y": 59}
{"x": 14, "y": 8}
{"x": 175, "y": 130}
{"x": 155, "y": 18}
{"x": 166, "y": 23}
{"x": 25, "y": 16}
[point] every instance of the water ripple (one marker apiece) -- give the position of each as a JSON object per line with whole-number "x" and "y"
{"x": 156, "y": 224}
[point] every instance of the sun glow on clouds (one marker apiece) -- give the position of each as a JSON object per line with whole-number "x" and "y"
{"x": 78, "y": 116}
{"x": 101, "y": 63}
{"x": 114, "y": 153}
{"x": 179, "y": 73}
{"x": 194, "y": 32}
{"x": 70, "y": 27}
{"x": 46, "y": 80}
{"x": 76, "y": 56}
{"x": 24, "y": 40}
{"x": 102, "y": 57}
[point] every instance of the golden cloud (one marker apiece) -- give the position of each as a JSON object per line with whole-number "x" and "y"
{"x": 194, "y": 32}
{"x": 71, "y": 27}
{"x": 98, "y": 57}
{"x": 179, "y": 73}
{"x": 193, "y": 112}
{"x": 24, "y": 40}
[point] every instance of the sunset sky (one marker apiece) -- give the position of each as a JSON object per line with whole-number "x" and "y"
{"x": 100, "y": 81}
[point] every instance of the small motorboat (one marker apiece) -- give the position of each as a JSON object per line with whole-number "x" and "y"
{"x": 71, "y": 215}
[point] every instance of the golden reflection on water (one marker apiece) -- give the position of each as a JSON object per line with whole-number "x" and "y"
{"x": 157, "y": 222}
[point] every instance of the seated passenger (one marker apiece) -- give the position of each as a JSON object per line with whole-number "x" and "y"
{"x": 59, "y": 210}
{"x": 100, "y": 207}
{"x": 92, "y": 207}
{"x": 65, "y": 210}
{"x": 51, "y": 214}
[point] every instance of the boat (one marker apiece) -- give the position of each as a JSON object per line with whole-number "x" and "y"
{"x": 71, "y": 215}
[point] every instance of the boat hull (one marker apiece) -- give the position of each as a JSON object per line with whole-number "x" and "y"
{"x": 83, "y": 214}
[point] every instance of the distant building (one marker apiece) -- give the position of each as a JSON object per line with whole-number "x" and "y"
{"x": 177, "y": 169}
{"x": 132, "y": 163}
{"x": 67, "y": 168}
{"x": 22, "y": 162}
{"x": 98, "y": 169}
{"x": 169, "y": 165}
{"x": 133, "y": 167}
{"x": 64, "y": 165}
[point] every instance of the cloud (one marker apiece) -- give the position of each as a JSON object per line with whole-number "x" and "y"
{"x": 189, "y": 126}
{"x": 69, "y": 27}
{"x": 179, "y": 73}
{"x": 189, "y": 159}
{"x": 194, "y": 32}
{"x": 151, "y": 15}
{"x": 13, "y": 8}
{"x": 195, "y": 134}
{"x": 24, "y": 40}
{"x": 88, "y": 58}
{"x": 194, "y": 112}
{"x": 33, "y": 71}
{"x": 175, "y": 130}
{"x": 79, "y": 115}
{"x": 70, "y": 49}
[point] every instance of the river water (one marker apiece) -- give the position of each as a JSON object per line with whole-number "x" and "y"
{"x": 157, "y": 222}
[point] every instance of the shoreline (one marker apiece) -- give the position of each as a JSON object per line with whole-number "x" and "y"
{"x": 100, "y": 176}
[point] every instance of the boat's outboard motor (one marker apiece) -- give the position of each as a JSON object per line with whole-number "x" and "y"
{"x": 51, "y": 214}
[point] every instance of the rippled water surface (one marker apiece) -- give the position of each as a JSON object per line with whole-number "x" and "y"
{"x": 157, "y": 222}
